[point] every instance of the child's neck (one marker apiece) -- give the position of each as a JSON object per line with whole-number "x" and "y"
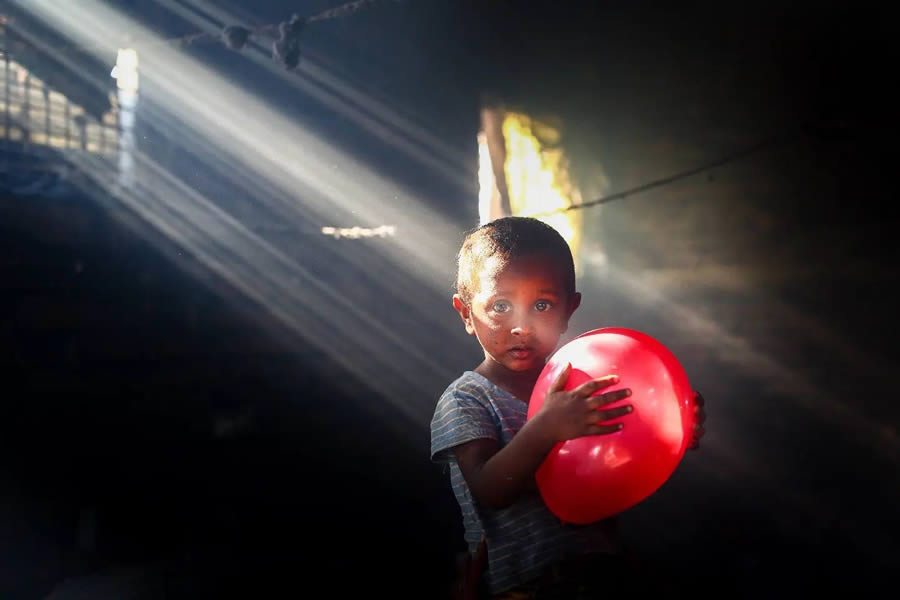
{"x": 518, "y": 383}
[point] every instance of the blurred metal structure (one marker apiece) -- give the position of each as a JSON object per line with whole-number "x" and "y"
{"x": 41, "y": 123}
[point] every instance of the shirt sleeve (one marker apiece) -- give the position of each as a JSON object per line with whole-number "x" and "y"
{"x": 460, "y": 417}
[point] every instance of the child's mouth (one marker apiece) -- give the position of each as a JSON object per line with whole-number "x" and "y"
{"x": 520, "y": 353}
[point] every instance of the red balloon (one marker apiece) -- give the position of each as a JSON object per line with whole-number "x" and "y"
{"x": 590, "y": 478}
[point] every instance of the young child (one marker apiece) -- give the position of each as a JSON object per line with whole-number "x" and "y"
{"x": 515, "y": 294}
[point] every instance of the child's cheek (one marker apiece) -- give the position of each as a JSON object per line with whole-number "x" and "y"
{"x": 550, "y": 329}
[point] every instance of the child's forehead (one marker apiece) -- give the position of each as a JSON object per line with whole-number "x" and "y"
{"x": 498, "y": 271}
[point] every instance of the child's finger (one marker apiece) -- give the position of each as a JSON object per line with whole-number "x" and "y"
{"x": 608, "y": 398}
{"x": 604, "y": 429}
{"x": 601, "y": 416}
{"x": 560, "y": 382}
{"x": 594, "y": 385}
{"x": 700, "y": 415}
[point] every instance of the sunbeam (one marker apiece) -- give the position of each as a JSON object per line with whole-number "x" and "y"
{"x": 295, "y": 178}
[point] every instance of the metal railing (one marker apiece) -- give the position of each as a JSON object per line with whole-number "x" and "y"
{"x": 39, "y": 125}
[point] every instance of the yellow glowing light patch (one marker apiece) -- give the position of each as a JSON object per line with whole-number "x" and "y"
{"x": 537, "y": 177}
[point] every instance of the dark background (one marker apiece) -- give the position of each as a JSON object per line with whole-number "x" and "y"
{"x": 771, "y": 278}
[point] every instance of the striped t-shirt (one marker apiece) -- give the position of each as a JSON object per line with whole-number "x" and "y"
{"x": 524, "y": 538}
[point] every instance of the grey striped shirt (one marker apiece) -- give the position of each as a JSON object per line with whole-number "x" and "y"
{"x": 525, "y": 538}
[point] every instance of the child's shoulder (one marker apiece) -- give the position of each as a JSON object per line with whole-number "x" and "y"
{"x": 469, "y": 386}
{"x": 464, "y": 412}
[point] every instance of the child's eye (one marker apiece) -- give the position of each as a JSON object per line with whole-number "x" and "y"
{"x": 500, "y": 307}
{"x": 542, "y": 306}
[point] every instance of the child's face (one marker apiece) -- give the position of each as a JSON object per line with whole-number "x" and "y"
{"x": 518, "y": 310}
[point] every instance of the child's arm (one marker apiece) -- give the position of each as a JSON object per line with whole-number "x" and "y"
{"x": 498, "y": 476}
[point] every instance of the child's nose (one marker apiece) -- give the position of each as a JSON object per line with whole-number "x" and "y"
{"x": 522, "y": 328}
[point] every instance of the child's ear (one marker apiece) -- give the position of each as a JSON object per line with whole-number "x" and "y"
{"x": 573, "y": 306}
{"x": 464, "y": 313}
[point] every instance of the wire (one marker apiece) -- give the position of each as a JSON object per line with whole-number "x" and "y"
{"x": 285, "y": 48}
{"x": 729, "y": 158}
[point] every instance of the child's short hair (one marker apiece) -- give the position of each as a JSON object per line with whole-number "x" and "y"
{"x": 510, "y": 238}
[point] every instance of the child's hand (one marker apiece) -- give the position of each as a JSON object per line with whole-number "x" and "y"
{"x": 575, "y": 413}
{"x": 700, "y": 418}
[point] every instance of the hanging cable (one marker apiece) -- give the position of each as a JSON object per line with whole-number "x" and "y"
{"x": 728, "y": 158}
{"x": 285, "y": 48}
